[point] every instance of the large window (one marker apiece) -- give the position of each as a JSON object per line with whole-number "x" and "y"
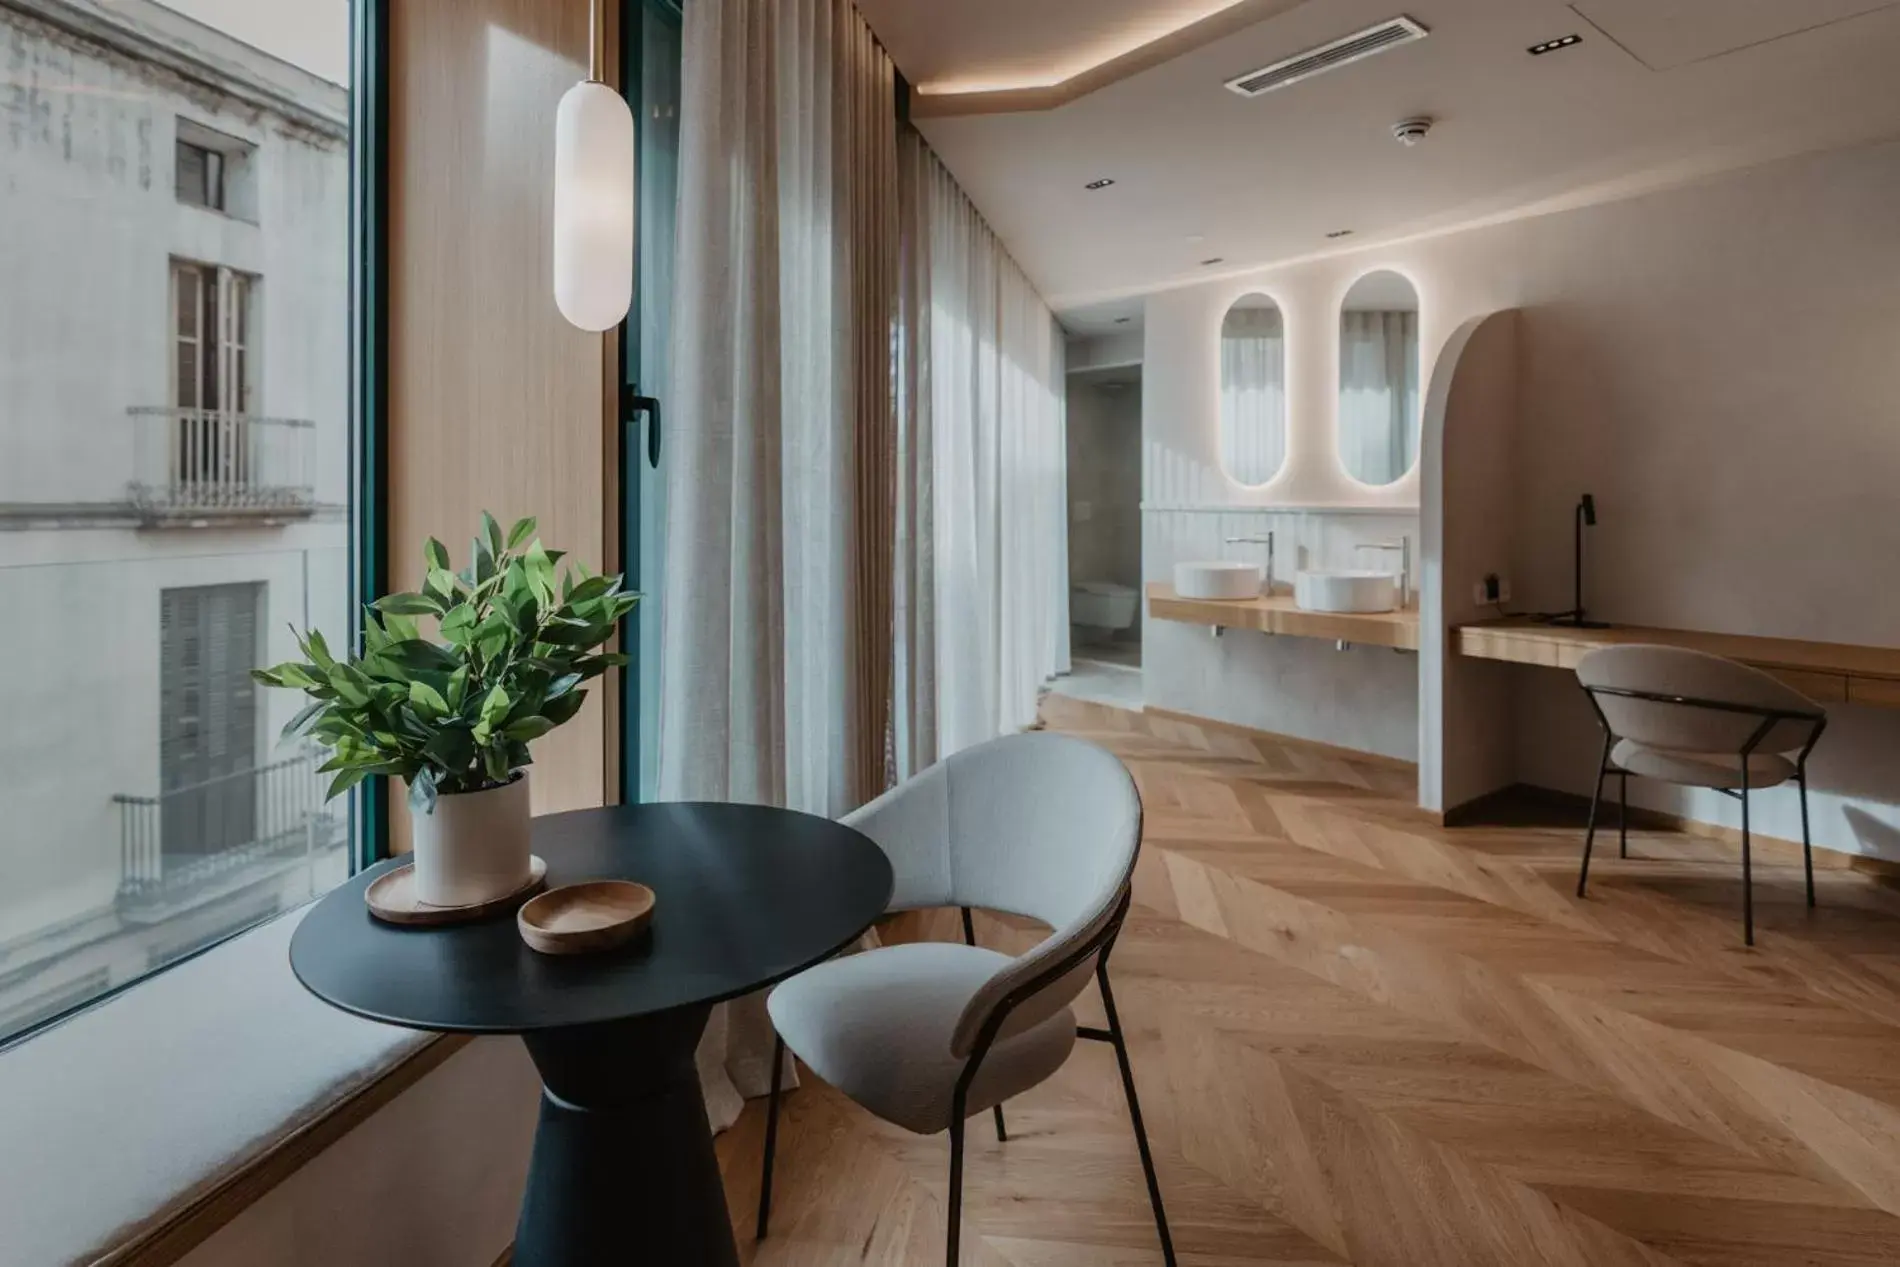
{"x": 175, "y": 478}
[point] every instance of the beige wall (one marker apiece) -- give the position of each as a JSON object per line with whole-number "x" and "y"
{"x": 1715, "y": 363}
{"x": 496, "y": 403}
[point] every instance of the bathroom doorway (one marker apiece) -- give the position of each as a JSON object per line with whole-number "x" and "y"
{"x": 1104, "y": 453}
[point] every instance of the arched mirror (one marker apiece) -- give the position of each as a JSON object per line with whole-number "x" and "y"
{"x": 1379, "y": 378}
{"x": 1253, "y": 390}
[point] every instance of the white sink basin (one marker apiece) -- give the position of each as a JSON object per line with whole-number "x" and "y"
{"x": 1225, "y": 581}
{"x": 1364, "y": 592}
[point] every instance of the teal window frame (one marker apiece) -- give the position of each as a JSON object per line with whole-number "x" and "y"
{"x": 369, "y": 364}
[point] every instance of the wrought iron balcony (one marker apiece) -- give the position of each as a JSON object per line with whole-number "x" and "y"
{"x": 197, "y": 464}
{"x": 197, "y": 840}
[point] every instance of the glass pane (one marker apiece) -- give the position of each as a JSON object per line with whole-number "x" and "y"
{"x": 190, "y": 174}
{"x": 214, "y": 180}
{"x": 209, "y": 394}
{"x": 187, "y": 375}
{"x": 656, "y": 90}
{"x": 151, "y": 807}
{"x": 185, "y": 285}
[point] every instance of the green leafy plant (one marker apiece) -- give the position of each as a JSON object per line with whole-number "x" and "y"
{"x": 517, "y": 642}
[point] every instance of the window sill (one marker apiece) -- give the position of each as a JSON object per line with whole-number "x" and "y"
{"x": 142, "y": 1126}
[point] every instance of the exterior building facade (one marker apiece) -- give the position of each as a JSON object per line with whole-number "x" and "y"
{"x": 174, "y": 466}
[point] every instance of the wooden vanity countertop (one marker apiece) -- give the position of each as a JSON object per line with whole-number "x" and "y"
{"x": 1280, "y": 615}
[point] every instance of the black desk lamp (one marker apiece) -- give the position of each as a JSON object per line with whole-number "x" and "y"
{"x": 1586, "y": 518}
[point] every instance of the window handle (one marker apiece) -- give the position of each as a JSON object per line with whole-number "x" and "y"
{"x": 633, "y": 405}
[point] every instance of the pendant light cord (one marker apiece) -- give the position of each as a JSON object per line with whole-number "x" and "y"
{"x": 593, "y": 41}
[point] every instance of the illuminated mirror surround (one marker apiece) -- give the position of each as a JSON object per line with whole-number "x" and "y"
{"x": 1253, "y": 390}
{"x": 1379, "y": 396}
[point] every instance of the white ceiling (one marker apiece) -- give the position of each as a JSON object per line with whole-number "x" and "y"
{"x": 1204, "y": 174}
{"x": 948, "y": 46}
{"x": 1672, "y": 33}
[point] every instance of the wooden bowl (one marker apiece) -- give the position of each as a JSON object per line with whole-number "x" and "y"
{"x": 579, "y": 919}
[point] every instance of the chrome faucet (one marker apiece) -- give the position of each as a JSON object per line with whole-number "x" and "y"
{"x": 1404, "y": 546}
{"x": 1266, "y": 586}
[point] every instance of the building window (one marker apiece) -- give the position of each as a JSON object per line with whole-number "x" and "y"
{"x": 214, "y": 171}
{"x": 200, "y": 176}
{"x": 207, "y": 720}
{"x": 213, "y": 310}
{"x": 176, "y": 490}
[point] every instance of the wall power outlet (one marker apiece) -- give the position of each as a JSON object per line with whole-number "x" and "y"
{"x": 1492, "y": 589}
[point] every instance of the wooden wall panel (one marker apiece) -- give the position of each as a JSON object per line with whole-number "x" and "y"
{"x": 495, "y": 402}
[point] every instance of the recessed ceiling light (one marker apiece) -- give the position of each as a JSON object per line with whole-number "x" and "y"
{"x": 1103, "y": 183}
{"x": 1122, "y": 321}
{"x": 1218, "y": 259}
{"x": 1551, "y": 46}
{"x": 1340, "y": 233}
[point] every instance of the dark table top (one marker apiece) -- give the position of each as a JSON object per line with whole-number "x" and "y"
{"x": 745, "y": 896}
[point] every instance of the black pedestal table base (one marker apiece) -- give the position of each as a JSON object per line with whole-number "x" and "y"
{"x": 623, "y": 1173}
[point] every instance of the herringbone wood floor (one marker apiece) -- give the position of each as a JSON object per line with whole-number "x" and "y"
{"x": 1361, "y": 1039}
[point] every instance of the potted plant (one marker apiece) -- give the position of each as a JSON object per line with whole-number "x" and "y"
{"x": 455, "y": 717}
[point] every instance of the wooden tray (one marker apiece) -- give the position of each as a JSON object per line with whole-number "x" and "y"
{"x": 392, "y": 899}
{"x": 579, "y": 919}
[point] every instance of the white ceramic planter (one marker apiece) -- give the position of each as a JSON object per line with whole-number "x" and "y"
{"x": 475, "y": 847}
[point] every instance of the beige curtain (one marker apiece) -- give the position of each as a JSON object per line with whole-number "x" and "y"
{"x": 982, "y": 559}
{"x": 777, "y": 639}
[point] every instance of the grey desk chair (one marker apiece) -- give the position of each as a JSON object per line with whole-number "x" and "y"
{"x": 926, "y": 1035}
{"x": 1698, "y": 720}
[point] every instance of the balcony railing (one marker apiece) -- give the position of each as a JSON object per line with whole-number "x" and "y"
{"x": 197, "y": 838}
{"x": 197, "y": 463}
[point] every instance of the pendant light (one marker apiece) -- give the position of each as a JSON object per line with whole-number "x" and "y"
{"x": 593, "y": 197}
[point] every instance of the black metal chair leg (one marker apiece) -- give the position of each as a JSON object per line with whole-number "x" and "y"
{"x": 969, "y": 939}
{"x": 1623, "y": 815}
{"x": 1134, "y": 1111}
{"x": 955, "y": 1234}
{"x": 1748, "y": 871}
{"x": 771, "y": 1136}
{"x": 1590, "y": 832}
{"x": 1807, "y": 845}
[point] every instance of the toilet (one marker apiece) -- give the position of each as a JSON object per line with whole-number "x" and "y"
{"x": 1103, "y": 605}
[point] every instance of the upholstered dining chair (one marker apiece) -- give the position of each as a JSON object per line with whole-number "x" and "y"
{"x": 925, "y": 1035}
{"x": 1698, "y": 720}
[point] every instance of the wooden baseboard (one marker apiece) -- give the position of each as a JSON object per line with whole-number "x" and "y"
{"x": 177, "y": 1232}
{"x": 1524, "y": 804}
{"x": 1251, "y": 732}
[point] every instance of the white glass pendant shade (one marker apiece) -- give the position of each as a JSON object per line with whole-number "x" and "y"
{"x": 593, "y": 206}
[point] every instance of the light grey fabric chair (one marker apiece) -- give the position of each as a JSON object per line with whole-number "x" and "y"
{"x": 925, "y": 1035}
{"x": 1698, "y": 720}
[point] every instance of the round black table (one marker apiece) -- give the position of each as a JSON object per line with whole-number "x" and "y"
{"x": 623, "y": 1171}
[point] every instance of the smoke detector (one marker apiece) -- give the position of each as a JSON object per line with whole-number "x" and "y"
{"x": 1409, "y": 132}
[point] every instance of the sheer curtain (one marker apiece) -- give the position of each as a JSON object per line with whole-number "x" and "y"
{"x": 982, "y": 546}
{"x": 1378, "y": 394}
{"x": 1253, "y": 394}
{"x": 775, "y": 678}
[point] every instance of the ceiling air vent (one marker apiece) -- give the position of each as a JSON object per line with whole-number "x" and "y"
{"x": 1317, "y": 61}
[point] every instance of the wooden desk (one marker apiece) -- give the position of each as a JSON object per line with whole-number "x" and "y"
{"x": 1827, "y": 672}
{"x": 1279, "y": 615}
